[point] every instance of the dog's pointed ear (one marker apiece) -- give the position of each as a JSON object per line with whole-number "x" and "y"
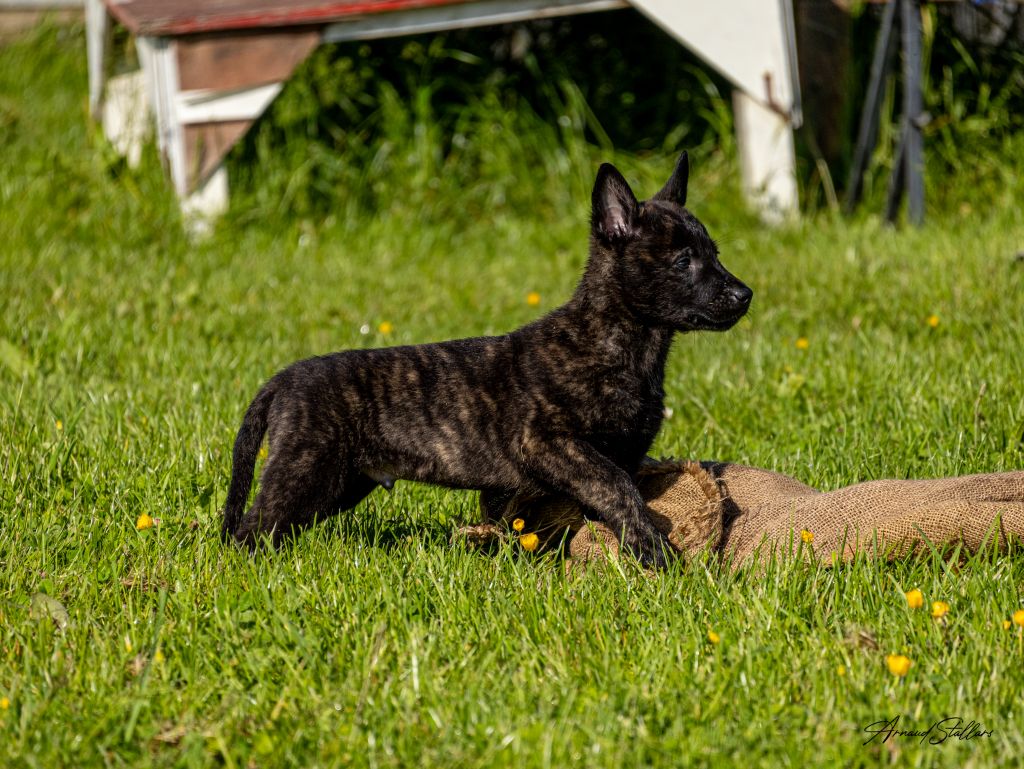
{"x": 674, "y": 190}
{"x": 615, "y": 207}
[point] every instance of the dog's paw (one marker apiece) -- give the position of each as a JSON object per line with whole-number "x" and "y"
{"x": 653, "y": 552}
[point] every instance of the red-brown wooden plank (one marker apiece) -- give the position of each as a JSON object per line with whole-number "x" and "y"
{"x": 184, "y": 17}
{"x": 206, "y": 144}
{"x": 225, "y": 61}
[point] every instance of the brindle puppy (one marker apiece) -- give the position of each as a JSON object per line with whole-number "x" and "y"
{"x": 568, "y": 404}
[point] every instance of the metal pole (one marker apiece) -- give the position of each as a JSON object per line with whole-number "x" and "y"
{"x": 867, "y": 134}
{"x": 897, "y": 180}
{"x": 914, "y": 157}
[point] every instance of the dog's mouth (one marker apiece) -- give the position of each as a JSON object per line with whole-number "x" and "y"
{"x": 700, "y": 322}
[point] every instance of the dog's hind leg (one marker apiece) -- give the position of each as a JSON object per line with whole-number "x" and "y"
{"x": 293, "y": 496}
{"x": 299, "y": 483}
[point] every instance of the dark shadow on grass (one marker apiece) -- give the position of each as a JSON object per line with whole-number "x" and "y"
{"x": 381, "y": 523}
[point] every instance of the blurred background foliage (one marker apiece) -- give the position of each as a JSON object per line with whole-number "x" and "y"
{"x": 973, "y": 92}
{"x": 367, "y": 125}
{"x": 481, "y": 109}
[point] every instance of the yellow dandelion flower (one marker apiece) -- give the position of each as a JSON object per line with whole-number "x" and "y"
{"x": 933, "y": 321}
{"x": 898, "y": 664}
{"x": 518, "y": 524}
{"x": 59, "y": 425}
{"x": 915, "y": 598}
{"x": 264, "y": 451}
{"x": 158, "y": 656}
{"x": 713, "y": 637}
{"x": 1007, "y": 624}
{"x": 1018, "y": 617}
{"x": 385, "y": 328}
{"x": 529, "y": 542}
{"x": 803, "y": 343}
{"x": 841, "y": 670}
{"x": 128, "y": 644}
{"x": 807, "y": 536}
{"x": 144, "y": 522}
{"x": 4, "y": 703}
{"x": 533, "y": 299}
{"x": 939, "y": 609}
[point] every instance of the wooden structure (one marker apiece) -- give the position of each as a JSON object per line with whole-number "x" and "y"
{"x": 210, "y": 67}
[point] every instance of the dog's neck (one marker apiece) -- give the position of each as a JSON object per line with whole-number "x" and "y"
{"x": 598, "y": 307}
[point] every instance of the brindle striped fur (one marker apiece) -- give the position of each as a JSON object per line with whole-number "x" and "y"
{"x": 568, "y": 404}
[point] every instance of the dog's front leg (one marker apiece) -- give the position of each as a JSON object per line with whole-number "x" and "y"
{"x": 578, "y": 470}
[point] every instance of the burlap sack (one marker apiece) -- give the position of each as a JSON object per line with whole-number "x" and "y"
{"x": 888, "y": 518}
{"x": 740, "y": 512}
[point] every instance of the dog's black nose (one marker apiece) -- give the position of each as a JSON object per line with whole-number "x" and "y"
{"x": 740, "y": 294}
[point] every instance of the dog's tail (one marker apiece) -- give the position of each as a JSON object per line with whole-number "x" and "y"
{"x": 243, "y": 464}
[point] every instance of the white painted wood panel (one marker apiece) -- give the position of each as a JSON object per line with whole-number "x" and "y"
{"x": 213, "y": 106}
{"x": 748, "y": 41}
{"x": 752, "y": 43}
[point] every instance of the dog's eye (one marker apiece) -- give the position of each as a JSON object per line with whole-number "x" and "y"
{"x": 683, "y": 259}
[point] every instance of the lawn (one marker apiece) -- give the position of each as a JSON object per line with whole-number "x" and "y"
{"x": 128, "y": 353}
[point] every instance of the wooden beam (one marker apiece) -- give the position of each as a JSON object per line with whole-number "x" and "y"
{"x": 97, "y": 38}
{"x": 764, "y": 138}
{"x": 160, "y": 63}
{"x": 460, "y": 16}
{"x": 189, "y": 17}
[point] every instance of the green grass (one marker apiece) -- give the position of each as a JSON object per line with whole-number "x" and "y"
{"x": 128, "y": 354}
